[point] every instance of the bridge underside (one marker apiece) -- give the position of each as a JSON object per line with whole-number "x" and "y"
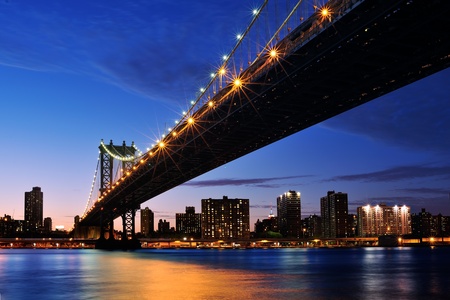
{"x": 375, "y": 48}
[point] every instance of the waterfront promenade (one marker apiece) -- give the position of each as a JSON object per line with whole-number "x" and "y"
{"x": 257, "y": 243}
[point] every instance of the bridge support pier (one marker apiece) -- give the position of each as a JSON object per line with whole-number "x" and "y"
{"x": 106, "y": 239}
{"x": 128, "y": 239}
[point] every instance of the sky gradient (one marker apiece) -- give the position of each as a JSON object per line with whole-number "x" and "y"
{"x": 72, "y": 74}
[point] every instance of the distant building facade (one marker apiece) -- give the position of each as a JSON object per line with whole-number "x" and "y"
{"x": 34, "y": 204}
{"x": 443, "y": 225}
{"x": 382, "y": 219}
{"x": 48, "y": 226}
{"x": 189, "y": 222}
{"x": 163, "y": 226}
{"x": 313, "y": 226}
{"x": 266, "y": 226}
{"x": 424, "y": 224}
{"x": 290, "y": 214}
{"x": 334, "y": 214}
{"x": 147, "y": 222}
{"x": 225, "y": 218}
{"x": 8, "y": 227}
{"x": 352, "y": 224}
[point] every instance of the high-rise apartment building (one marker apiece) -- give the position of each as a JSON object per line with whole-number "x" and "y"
{"x": 34, "y": 204}
{"x": 382, "y": 219}
{"x": 290, "y": 214}
{"x": 188, "y": 222}
{"x": 225, "y": 218}
{"x": 334, "y": 213}
{"x": 147, "y": 222}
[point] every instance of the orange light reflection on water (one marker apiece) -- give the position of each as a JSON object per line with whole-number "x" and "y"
{"x": 131, "y": 277}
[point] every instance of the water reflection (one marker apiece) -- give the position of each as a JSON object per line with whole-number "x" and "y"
{"x": 369, "y": 273}
{"x": 131, "y": 277}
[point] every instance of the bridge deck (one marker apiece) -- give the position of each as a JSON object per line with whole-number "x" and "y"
{"x": 370, "y": 50}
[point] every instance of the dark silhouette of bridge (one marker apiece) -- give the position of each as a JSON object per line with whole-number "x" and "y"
{"x": 332, "y": 62}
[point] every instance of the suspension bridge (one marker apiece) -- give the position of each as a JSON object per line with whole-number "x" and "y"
{"x": 310, "y": 65}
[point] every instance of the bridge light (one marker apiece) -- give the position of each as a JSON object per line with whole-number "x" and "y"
{"x": 255, "y": 12}
{"x": 325, "y": 13}
{"x": 238, "y": 36}
{"x": 161, "y": 144}
{"x": 190, "y": 120}
{"x": 273, "y": 53}
{"x": 237, "y": 82}
{"x": 210, "y": 103}
{"x": 174, "y": 133}
{"x": 224, "y": 57}
{"x": 222, "y": 71}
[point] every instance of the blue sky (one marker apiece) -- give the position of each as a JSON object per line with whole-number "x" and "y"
{"x": 72, "y": 74}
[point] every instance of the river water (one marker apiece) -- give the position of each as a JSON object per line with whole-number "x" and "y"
{"x": 355, "y": 273}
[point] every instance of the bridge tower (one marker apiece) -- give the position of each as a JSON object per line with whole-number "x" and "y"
{"x": 126, "y": 155}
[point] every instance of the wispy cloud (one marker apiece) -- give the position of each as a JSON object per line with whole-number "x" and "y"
{"x": 265, "y": 206}
{"x": 148, "y": 48}
{"x": 397, "y": 173}
{"x": 255, "y": 182}
{"x": 427, "y": 191}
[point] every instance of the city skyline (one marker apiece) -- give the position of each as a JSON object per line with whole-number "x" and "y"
{"x": 67, "y": 85}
